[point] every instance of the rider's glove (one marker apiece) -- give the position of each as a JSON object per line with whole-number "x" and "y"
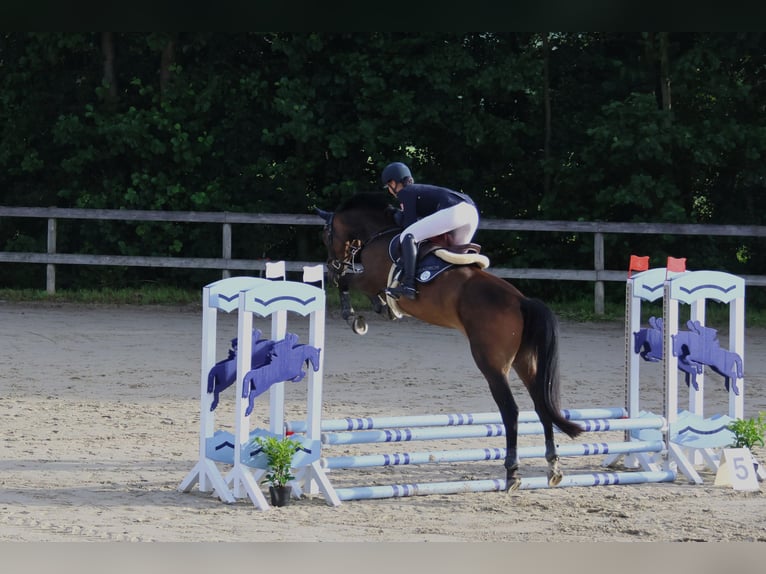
{"x": 397, "y": 214}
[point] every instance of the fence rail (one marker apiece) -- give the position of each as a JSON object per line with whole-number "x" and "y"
{"x": 597, "y": 275}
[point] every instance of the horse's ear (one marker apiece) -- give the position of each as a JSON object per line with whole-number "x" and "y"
{"x": 326, "y": 215}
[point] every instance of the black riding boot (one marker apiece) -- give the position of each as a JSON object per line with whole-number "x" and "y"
{"x": 406, "y": 285}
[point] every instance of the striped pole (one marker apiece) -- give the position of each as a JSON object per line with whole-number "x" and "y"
{"x": 368, "y": 423}
{"x": 480, "y": 431}
{"x": 479, "y": 454}
{"x": 492, "y": 485}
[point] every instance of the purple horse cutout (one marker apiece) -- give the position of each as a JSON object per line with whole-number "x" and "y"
{"x": 700, "y": 344}
{"x": 648, "y": 344}
{"x": 648, "y": 341}
{"x": 224, "y": 373}
{"x": 286, "y": 359}
{"x": 681, "y": 341}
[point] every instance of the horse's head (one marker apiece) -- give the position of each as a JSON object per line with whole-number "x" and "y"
{"x": 335, "y": 242}
{"x": 346, "y": 231}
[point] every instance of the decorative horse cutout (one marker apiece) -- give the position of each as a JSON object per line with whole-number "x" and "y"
{"x": 285, "y": 361}
{"x": 686, "y": 364}
{"x": 648, "y": 341}
{"x": 648, "y": 344}
{"x": 224, "y": 373}
{"x": 701, "y": 345}
{"x": 505, "y": 328}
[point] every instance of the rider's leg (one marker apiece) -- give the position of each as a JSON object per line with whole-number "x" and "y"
{"x": 466, "y": 222}
{"x": 406, "y": 285}
{"x": 461, "y": 219}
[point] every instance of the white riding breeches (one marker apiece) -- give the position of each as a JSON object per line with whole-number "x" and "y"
{"x": 461, "y": 219}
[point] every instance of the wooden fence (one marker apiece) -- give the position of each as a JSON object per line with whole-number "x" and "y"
{"x": 597, "y": 275}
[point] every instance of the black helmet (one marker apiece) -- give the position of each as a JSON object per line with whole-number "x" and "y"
{"x": 396, "y": 171}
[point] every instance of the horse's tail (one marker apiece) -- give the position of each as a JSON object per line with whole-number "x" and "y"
{"x": 541, "y": 333}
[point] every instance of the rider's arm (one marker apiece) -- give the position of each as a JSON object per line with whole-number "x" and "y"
{"x": 409, "y": 200}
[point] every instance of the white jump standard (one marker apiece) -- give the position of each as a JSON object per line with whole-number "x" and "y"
{"x": 261, "y": 297}
{"x": 692, "y": 438}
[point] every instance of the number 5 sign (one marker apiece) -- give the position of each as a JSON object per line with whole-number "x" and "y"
{"x": 737, "y": 470}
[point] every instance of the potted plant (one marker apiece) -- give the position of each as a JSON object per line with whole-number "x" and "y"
{"x": 749, "y": 433}
{"x": 279, "y": 453}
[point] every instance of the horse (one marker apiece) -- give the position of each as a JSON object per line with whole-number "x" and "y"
{"x": 505, "y": 329}
{"x": 648, "y": 344}
{"x": 648, "y": 341}
{"x": 224, "y": 373}
{"x": 284, "y": 362}
{"x": 700, "y": 345}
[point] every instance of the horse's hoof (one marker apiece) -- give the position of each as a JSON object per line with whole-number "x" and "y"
{"x": 359, "y": 326}
{"x": 554, "y": 478}
{"x": 512, "y": 484}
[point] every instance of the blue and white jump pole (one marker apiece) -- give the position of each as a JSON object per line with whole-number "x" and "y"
{"x": 479, "y": 454}
{"x": 496, "y": 485}
{"x": 405, "y": 429}
{"x": 448, "y": 420}
{"x": 362, "y": 430}
{"x": 480, "y": 431}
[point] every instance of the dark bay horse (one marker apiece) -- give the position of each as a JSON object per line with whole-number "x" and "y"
{"x": 504, "y": 328}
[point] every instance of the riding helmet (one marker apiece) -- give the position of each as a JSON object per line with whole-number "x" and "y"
{"x": 396, "y": 171}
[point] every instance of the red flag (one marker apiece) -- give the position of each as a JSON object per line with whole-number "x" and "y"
{"x": 638, "y": 263}
{"x": 676, "y": 265}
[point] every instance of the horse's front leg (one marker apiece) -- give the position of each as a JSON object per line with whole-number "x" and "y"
{"x": 346, "y": 309}
{"x": 357, "y": 322}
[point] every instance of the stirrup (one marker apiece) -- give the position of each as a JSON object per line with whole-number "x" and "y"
{"x": 399, "y": 290}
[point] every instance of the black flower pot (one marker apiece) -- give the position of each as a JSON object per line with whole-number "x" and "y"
{"x": 280, "y": 495}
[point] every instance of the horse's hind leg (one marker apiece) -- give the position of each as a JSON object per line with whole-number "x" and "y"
{"x": 551, "y": 454}
{"x": 509, "y": 412}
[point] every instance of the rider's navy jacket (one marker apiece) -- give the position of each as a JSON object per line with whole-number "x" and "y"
{"x": 419, "y": 200}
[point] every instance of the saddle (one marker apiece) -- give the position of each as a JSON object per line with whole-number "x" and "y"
{"x": 437, "y": 254}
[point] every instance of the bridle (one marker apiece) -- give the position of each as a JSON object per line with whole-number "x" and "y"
{"x": 352, "y": 250}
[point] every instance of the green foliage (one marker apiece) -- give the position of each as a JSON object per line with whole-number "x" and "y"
{"x": 279, "y": 453}
{"x": 749, "y": 432}
{"x": 283, "y": 122}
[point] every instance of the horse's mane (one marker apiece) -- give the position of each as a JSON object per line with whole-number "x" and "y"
{"x": 369, "y": 214}
{"x": 366, "y": 201}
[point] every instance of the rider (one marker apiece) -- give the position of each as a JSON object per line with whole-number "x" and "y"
{"x": 426, "y": 211}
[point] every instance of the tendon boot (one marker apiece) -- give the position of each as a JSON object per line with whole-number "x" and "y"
{"x": 406, "y": 285}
